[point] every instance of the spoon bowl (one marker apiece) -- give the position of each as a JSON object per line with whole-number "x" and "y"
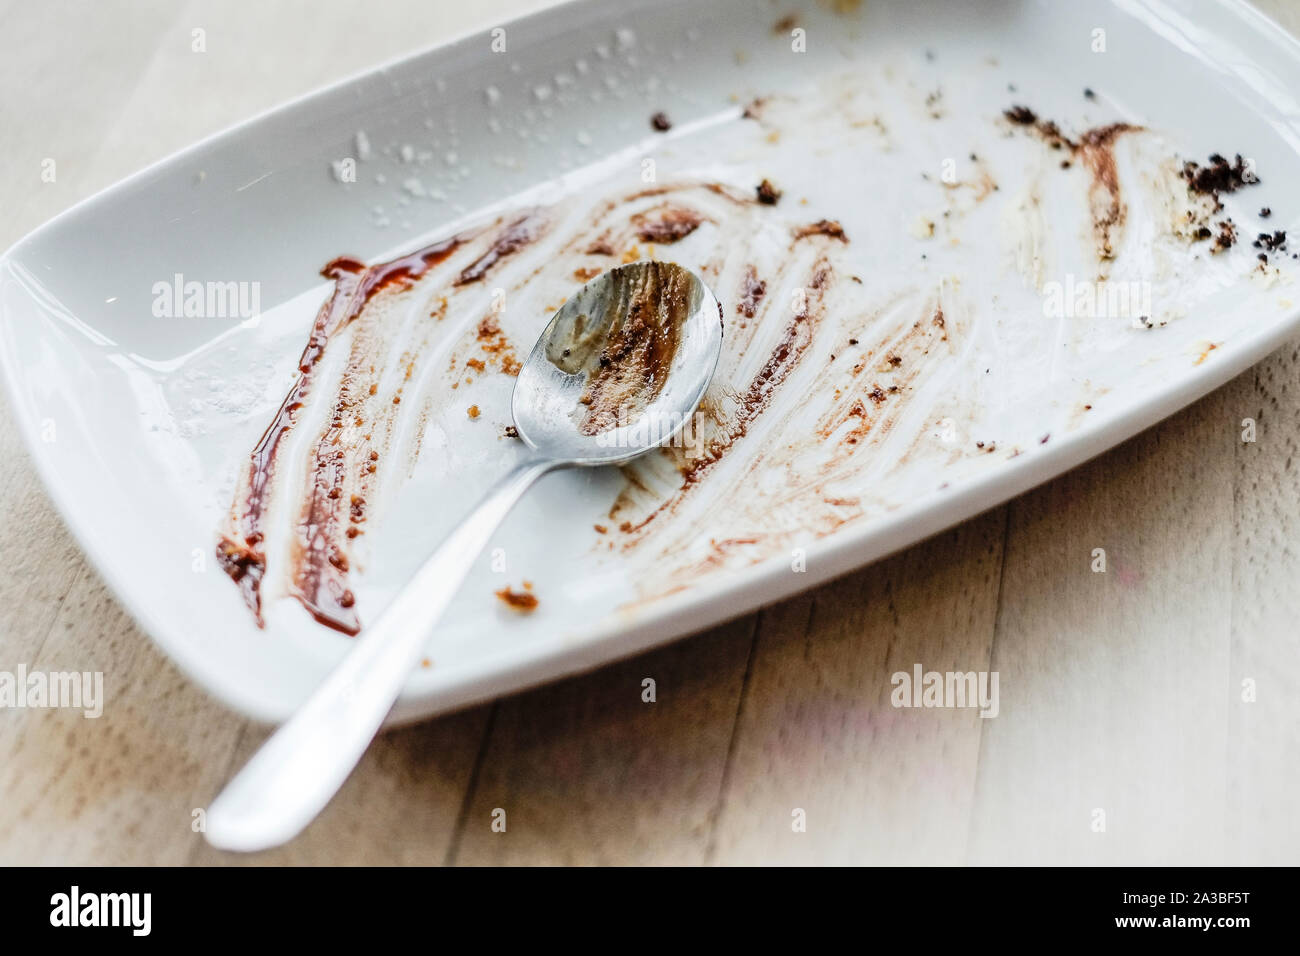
{"x": 621, "y": 366}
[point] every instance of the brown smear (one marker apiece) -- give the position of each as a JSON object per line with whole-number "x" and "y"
{"x": 606, "y": 243}
{"x": 894, "y": 376}
{"x": 510, "y": 240}
{"x": 752, "y": 290}
{"x": 823, "y": 227}
{"x": 1094, "y": 149}
{"x": 520, "y": 601}
{"x": 907, "y": 348}
{"x": 666, "y": 224}
{"x": 238, "y": 552}
{"x": 838, "y": 450}
{"x": 756, "y": 396}
{"x": 320, "y": 566}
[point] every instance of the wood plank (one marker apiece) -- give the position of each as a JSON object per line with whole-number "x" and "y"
{"x": 1264, "y": 736}
{"x": 588, "y": 772}
{"x": 1262, "y": 771}
{"x": 818, "y": 732}
{"x": 120, "y": 788}
{"x": 400, "y": 807}
{"x": 1113, "y": 690}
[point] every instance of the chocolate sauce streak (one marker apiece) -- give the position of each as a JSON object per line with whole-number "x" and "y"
{"x": 666, "y": 224}
{"x": 511, "y": 239}
{"x": 321, "y": 563}
{"x": 822, "y": 227}
{"x": 752, "y": 290}
{"x": 755, "y": 398}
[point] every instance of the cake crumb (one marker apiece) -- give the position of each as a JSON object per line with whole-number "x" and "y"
{"x": 767, "y": 193}
{"x": 520, "y": 601}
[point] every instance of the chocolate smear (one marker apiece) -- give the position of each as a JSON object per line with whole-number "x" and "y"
{"x": 238, "y": 552}
{"x": 626, "y": 353}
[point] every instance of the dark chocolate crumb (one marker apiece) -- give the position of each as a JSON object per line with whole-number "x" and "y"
{"x": 1021, "y": 115}
{"x": 767, "y": 193}
{"x": 1271, "y": 242}
{"x": 1219, "y": 176}
{"x": 1227, "y": 237}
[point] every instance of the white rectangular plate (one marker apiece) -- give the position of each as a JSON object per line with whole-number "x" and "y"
{"x": 940, "y": 358}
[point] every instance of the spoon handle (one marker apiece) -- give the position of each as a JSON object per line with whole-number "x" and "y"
{"x": 300, "y": 768}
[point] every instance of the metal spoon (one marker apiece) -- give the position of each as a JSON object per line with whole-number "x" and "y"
{"x": 618, "y": 371}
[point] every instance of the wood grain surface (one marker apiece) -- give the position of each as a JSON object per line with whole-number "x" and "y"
{"x": 1120, "y": 692}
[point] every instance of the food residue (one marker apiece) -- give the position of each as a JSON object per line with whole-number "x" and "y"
{"x": 768, "y": 194}
{"x": 801, "y": 434}
{"x": 521, "y": 601}
{"x": 626, "y": 352}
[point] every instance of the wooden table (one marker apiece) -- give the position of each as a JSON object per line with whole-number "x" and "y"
{"x": 1119, "y": 691}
